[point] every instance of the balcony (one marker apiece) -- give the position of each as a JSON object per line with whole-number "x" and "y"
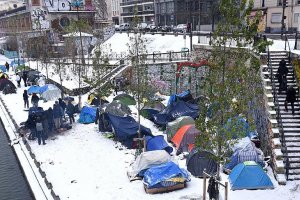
{"x": 135, "y": 2}
{"x": 148, "y": 12}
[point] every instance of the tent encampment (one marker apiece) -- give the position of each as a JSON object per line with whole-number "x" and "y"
{"x": 176, "y": 110}
{"x": 50, "y": 92}
{"x": 198, "y": 160}
{"x": 249, "y": 175}
{"x": 174, "y": 126}
{"x": 149, "y": 113}
{"x": 126, "y": 128}
{"x": 237, "y": 126}
{"x": 87, "y": 115}
{"x": 184, "y": 96}
{"x": 118, "y": 108}
{"x": 157, "y": 143}
{"x": 156, "y": 105}
{"x": 185, "y": 137}
{"x": 34, "y": 89}
{"x": 125, "y": 99}
{"x": 5, "y": 83}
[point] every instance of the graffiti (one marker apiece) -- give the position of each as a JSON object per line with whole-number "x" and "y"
{"x": 39, "y": 19}
{"x": 66, "y": 5}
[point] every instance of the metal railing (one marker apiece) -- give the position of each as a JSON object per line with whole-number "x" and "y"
{"x": 278, "y": 117}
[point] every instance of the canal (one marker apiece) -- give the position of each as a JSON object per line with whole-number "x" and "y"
{"x": 13, "y": 185}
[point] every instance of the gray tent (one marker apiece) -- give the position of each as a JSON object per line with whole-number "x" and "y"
{"x": 118, "y": 108}
{"x": 198, "y": 160}
{"x": 174, "y": 126}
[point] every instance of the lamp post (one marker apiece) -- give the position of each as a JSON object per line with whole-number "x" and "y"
{"x": 77, "y": 4}
{"x": 199, "y": 23}
{"x": 191, "y": 26}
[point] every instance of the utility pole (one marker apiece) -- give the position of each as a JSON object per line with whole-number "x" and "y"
{"x": 284, "y": 5}
{"x": 199, "y": 23}
{"x": 190, "y": 25}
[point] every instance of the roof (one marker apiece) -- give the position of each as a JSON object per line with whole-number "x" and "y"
{"x": 76, "y": 34}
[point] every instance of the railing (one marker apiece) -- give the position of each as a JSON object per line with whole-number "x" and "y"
{"x": 278, "y": 117}
{"x": 206, "y": 175}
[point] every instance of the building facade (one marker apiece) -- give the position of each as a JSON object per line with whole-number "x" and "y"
{"x": 115, "y": 10}
{"x": 273, "y": 14}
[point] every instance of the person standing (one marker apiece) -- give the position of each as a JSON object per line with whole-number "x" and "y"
{"x": 70, "y": 111}
{"x": 50, "y": 119}
{"x": 282, "y": 75}
{"x": 24, "y": 77}
{"x": 115, "y": 85}
{"x": 25, "y": 99}
{"x": 290, "y": 98}
{"x": 62, "y": 105}
{"x": 40, "y": 130}
{"x": 35, "y": 100}
{"x": 57, "y": 115}
{"x": 7, "y": 66}
{"x": 18, "y": 79}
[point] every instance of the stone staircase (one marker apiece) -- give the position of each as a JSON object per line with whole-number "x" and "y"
{"x": 285, "y": 126}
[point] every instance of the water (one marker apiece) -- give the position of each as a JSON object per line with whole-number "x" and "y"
{"x": 13, "y": 185}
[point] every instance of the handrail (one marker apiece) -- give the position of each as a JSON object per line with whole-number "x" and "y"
{"x": 278, "y": 117}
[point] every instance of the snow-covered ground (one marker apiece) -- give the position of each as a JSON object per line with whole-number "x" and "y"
{"x": 83, "y": 164}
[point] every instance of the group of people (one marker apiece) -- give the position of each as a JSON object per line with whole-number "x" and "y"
{"x": 19, "y": 77}
{"x": 281, "y": 75}
{"x": 42, "y": 122}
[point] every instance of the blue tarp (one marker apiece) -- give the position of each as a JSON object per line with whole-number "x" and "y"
{"x": 13, "y": 63}
{"x": 46, "y": 87}
{"x": 126, "y": 128}
{"x": 157, "y": 143}
{"x": 87, "y": 115}
{"x": 33, "y": 89}
{"x": 175, "y": 110}
{"x": 249, "y": 175}
{"x": 2, "y": 68}
{"x": 163, "y": 172}
{"x": 238, "y": 127}
{"x": 184, "y": 96}
{"x": 149, "y": 113}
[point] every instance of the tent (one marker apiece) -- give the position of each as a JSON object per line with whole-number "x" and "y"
{"x": 176, "y": 110}
{"x": 126, "y": 128}
{"x": 156, "y": 105}
{"x": 185, "y": 137}
{"x": 149, "y": 113}
{"x": 184, "y": 96}
{"x": 238, "y": 127}
{"x": 34, "y": 89}
{"x": 4, "y": 83}
{"x": 3, "y": 75}
{"x": 118, "y": 108}
{"x": 174, "y": 126}
{"x": 87, "y": 115}
{"x": 198, "y": 160}
{"x": 125, "y": 99}
{"x": 249, "y": 175}
{"x": 157, "y": 143}
{"x": 2, "y": 68}
{"x": 158, "y": 176}
{"x": 50, "y": 92}
{"x": 147, "y": 160}
{"x": 247, "y": 152}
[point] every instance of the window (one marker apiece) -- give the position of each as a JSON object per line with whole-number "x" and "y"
{"x": 276, "y": 18}
{"x": 162, "y": 8}
{"x": 296, "y": 16}
{"x": 279, "y": 2}
{"x": 35, "y": 2}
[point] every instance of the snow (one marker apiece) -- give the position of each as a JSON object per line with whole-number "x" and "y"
{"x": 83, "y": 164}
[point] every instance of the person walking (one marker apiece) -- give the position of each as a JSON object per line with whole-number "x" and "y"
{"x": 35, "y": 100}
{"x": 282, "y": 75}
{"x": 40, "y": 130}
{"x": 25, "y": 99}
{"x": 7, "y": 66}
{"x": 70, "y": 111}
{"x": 18, "y": 79}
{"x": 57, "y": 115}
{"x": 290, "y": 98}
{"x": 24, "y": 77}
{"x": 115, "y": 85}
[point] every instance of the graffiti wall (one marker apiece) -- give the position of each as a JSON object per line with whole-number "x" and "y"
{"x": 66, "y": 5}
{"x": 39, "y": 19}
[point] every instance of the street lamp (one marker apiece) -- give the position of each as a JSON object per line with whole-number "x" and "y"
{"x": 78, "y": 4}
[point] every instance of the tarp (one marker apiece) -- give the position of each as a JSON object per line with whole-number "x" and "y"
{"x": 176, "y": 110}
{"x": 185, "y": 137}
{"x": 198, "y": 160}
{"x": 126, "y": 128}
{"x": 125, "y": 99}
{"x": 5, "y": 82}
{"x": 164, "y": 172}
{"x": 154, "y": 105}
{"x": 174, "y": 126}
{"x": 118, "y": 108}
{"x": 50, "y": 92}
{"x": 87, "y": 115}
{"x": 249, "y": 175}
{"x": 184, "y": 96}
{"x": 157, "y": 143}
{"x": 149, "y": 113}
{"x": 34, "y": 89}
{"x": 149, "y": 159}
{"x": 2, "y": 68}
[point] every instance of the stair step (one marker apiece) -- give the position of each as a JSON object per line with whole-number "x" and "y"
{"x": 294, "y": 160}
{"x": 289, "y": 143}
{"x": 292, "y": 155}
{"x": 293, "y": 177}
{"x": 292, "y": 130}
{"x": 294, "y": 171}
{"x": 293, "y": 149}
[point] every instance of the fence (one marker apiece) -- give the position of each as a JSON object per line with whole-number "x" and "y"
{"x": 205, "y": 175}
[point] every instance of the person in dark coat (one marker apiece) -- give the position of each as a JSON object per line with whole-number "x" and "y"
{"x": 25, "y": 99}
{"x": 62, "y": 105}
{"x": 7, "y": 66}
{"x": 31, "y": 124}
{"x": 50, "y": 119}
{"x": 18, "y": 79}
{"x": 45, "y": 123}
{"x": 57, "y": 115}
{"x": 290, "y": 98}
{"x": 35, "y": 100}
{"x": 24, "y": 77}
{"x": 40, "y": 130}
{"x": 282, "y": 75}
{"x": 70, "y": 110}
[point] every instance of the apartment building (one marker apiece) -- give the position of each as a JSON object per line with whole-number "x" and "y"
{"x": 115, "y": 10}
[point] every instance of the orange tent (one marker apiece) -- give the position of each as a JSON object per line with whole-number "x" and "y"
{"x": 184, "y": 139}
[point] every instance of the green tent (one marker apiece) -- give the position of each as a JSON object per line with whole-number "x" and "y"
{"x": 174, "y": 126}
{"x": 125, "y": 99}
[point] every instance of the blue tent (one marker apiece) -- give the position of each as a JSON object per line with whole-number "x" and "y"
{"x": 160, "y": 173}
{"x": 2, "y": 68}
{"x": 34, "y": 89}
{"x": 149, "y": 113}
{"x": 126, "y": 128}
{"x": 238, "y": 127}
{"x": 184, "y": 96}
{"x": 176, "y": 110}
{"x": 87, "y": 115}
{"x": 249, "y": 175}
{"x": 157, "y": 143}
{"x": 47, "y": 87}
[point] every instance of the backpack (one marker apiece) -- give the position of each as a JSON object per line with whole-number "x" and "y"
{"x": 39, "y": 126}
